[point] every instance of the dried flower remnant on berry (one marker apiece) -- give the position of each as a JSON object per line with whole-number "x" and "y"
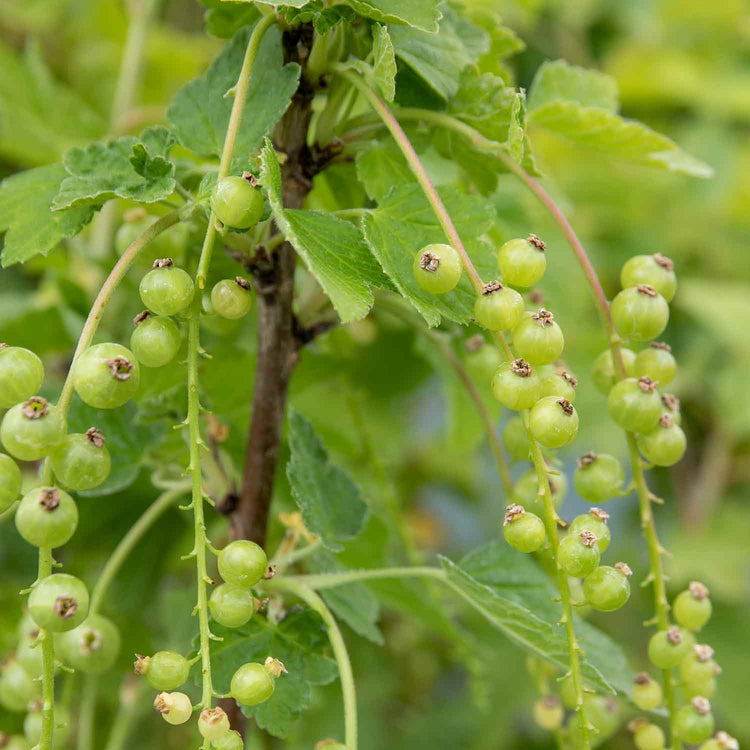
{"x": 571, "y": 380}
{"x": 674, "y": 635}
{"x": 251, "y": 178}
{"x": 162, "y": 263}
{"x": 270, "y": 572}
{"x": 138, "y": 319}
{"x": 95, "y": 437}
{"x": 521, "y": 368}
{"x": 586, "y": 460}
{"x": 566, "y": 406}
{"x": 474, "y": 343}
{"x": 660, "y": 345}
{"x": 121, "y": 368}
{"x": 703, "y": 652}
{"x": 624, "y": 568}
{"x": 275, "y": 667}
{"x": 49, "y": 498}
{"x": 35, "y": 407}
{"x": 512, "y": 512}
{"x": 671, "y": 402}
{"x": 491, "y": 287}
{"x": 532, "y": 239}
{"x": 162, "y": 703}
{"x": 643, "y": 678}
{"x": 646, "y": 384}
{"x": 663, "y": 261}
{"x": 599, "y": 513}
{"x": 701, "y": 705}
{"x": 141, "y": 664}
{"x": 588, "y": 538}
{"x": 66, "y": 606}
{"x": 536, "y": 297}
{"x": 429, "y": 262}
{"x": 726, "y": 741}
{"x": 647, "y": 289}
{"x": 635, "y": 724}
{"x": 698, "y": 590}
{"x": 666, "y": 421}
{"x": 543, "y": 317}
{"x": 91, "y": 641}
{"x": 241, "y": 281}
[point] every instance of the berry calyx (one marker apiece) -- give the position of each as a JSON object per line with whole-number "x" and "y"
{"x": 232, "y": 298}
{"x": 692, "y": 607}
{"x": 516, "y": 385}
{"x": 254, "y": 683}
{"x": 437, "y": 268}
{"x": 594, "y": 521}
{"x": 657, "y": 362}
{"x": 538, "y": 338}
{"x": 92, "y": 647}
{"x": 695, "y": 722}
{"x": 165, "y": 670}
{"x": 655, "y": 270}
{"x": 522, "y": 530}
{"x": 213, "y": 723}
{"x": 237, "y": 202}
{"x": 231, "y": 605}
{"x": 578, "y": 553}
{"x": 166, "y": 289}
{"x": 639, "y": 313}
{"x": 175, "y": 708}
{"x": 548, "y": 713}
{"x": 605, "y": 374}
{"x": 155, "y": 340}
{"x": 81, "y": 461}
{"x": 498, "y": 307}
{"x": 30, "y": 430}
{"x": 21, "y": 375}
{"x": 105, "y": 376}
{"x": 647, "y": 692}
{"x": 10, "y": 482}
{"x": 635, "y": 404}
{"x": 608, "y": 588}
{"x": 242, "y": 562}
{"x": 47, "y": 517}
{"x": 598, "y": 477}
{"x": 59, "y": 602}
{"x": 522, "y": 262}
{"x": 553, "y": 422}
{"x": 667, "y": 648}
{"x": 665, "y": 444}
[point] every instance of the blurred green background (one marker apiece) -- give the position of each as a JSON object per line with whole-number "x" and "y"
{"x": 683, "y": 67}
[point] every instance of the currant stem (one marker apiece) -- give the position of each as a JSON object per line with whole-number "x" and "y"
{"x": 48, "y": 663}
{"x": 320, "y": 581}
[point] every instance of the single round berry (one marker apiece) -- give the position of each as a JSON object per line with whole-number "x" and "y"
{"x": 647, "y": 692}
{"x": 548, "y": 713}
{"x": 59, "y": 602}
{"x": 30, "y": 430}
{"x": 606, "y": 588}
{"x": 10, "y": 482}
{"x": 594, "y": 521}
{"x": 692, "y": 607}
{"x": 598, "y": 477}
{"x": 231, "y": 605}
{"x": 165, "y": 670}
{"x": 522, "y": 530}
{"x": 553, "y": 422}
{"x": 538, "y": 338}
{"x": 32, "y": 727}
{"x": 635, "y": 405}
{"x": 667, "y": 648}
{"x": 16, "y": 686}
{"x": 516, "y": 385}
{"x": 237, "y": 203}
{"x": 232, "y": 298}
{"x": 665, "y": 444}
{"x": 516, "y": 439}
{"x": 21, "y": 375}
{"x": 213, "y": 723}
{"x": 602, "y": 712}
{"x": 29, "y": 655}
{"x": 695, "y": 722}
{"x": 166, "y": 289}
{"x": 242, "y": 562}
{"x": 498, "y": 307}
{"x": 702, "y": 689}
{"x": 522, "y": 262}
{"x": 92, "y": 647}
{"x": 175, "y": 708}
{"x": 655, "y": 270}
{"x": 482, "y": 359}
{"x": 559, "y": 383}
{"x": 648, "y": 737}
{"x": 605, "y": 373}
{"x": 105, "y": 376}
{"x": 230, "y": 741}
{"x": 526, "y": 491}
{"x": 47, "y": 517}
{"x": 81, "y": 461}
{"x": 639, "y": 313}
{"x": 578, "y": 553}
{"x": 698, "y": 666}
{"x": 155, "y": 340}
{"x": 656, "y": 361}
{"x": 252, "y": 684}
{"x": 437, "y": 268}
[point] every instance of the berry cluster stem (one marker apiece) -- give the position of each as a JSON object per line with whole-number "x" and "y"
{"x": 48, "y": 663}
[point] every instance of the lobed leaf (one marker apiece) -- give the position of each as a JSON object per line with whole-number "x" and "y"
{"x": 419, "y": 14}
{"x": 322, "y": 18}
{"x": 560, "y": 81}
{"x": 381, "y": 73}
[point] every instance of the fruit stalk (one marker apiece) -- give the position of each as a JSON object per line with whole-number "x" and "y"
{"x": 48, "y": 663}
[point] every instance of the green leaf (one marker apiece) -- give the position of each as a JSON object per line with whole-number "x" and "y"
{"x": 299, "y": 641}
{"x": 133, "y": 168}
{"x": 381, "y": 167}
{"x": 420, "y": 14}
{"x": 333, "y": 249}
{"x": 331, "y": 503}
{"x": 289, "y": 3}
{"x": 322, "y": 18}
{"x": 381, "y": 73}
{"x": 560, "y": 81}
{"x": 199, "y": 113}
{"x": 404, "y": 222}
{"x": 25, "y": 215}
{"x": 225, "y": 19}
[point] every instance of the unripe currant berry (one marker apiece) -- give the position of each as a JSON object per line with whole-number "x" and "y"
{"x": 482, "y": 359}
{"x": 578, "y": 553}
{"x": 16, "y": 686}
{"x": 59, "y": 602}
{"x": 647, "y": 736}
{"x": 548, "y": 713}
{"x": 105, "y": 376}
{"x": 594, "y": 521}
{"x": 498, "y": 307}
{"x": 667, "y": 648}
{"x": 237, "y": 202}
{"x": 242, "y": 562}
{"x": 232, "y": 299}
{"x": 155, "y": 340}
{"x": 230, "y": 741}
{"x": 522, "y": 530}
{"x": 213, "y": 723}
{"x": 598, "y": 477}
{"x": 538, "y": 339}
{"x": 700, "y": 689}
{"x": 647, "y": 692}
{"x": 639, "y": 313}
{"x": 175, "y": 708}
{"x": 81, "y": 461}
{"x": 13, "y": 742}
{"x": 166, "y": 289}
{"x": 605, "y": 373}
{"x": 21, "y": 375}
{"x": 606, "y": 588}
{"x": 695, "y": 722}
{"x": 559, "y": 383}
{"x": 657, "y": 362}
{"x": 665, "y": 444}
{"x": 526, "y": 491}
{"x": 231, "y": 605}
{"x": 721, "y": 741}
{"x": 540, "y": 669}
{"x": 10, "y": 482}
{"x": 253, "y": 683}
{"x": 671, "y": 406}
{"x": 698, "y": 666}
{"x": 692, "y": 607}
{"x": 136, "y": 221}
{"x": 522, "y": 262}
{"x": 92, "y": 647}
{"x": 603, "y": 711}
{"x": 516, "y": 439}
{"x": 656, "y": 270}
{"x": 553, "y": 422}
{"x": 635, "y": 404}
{"x": 165, "y": 670}
{"x": 437, "y": 268}
{"x": 30, "y": 430}
{"x": 516, "y": 386}
{"x": 47, "y": 517}
{"x": 29, "y": 655}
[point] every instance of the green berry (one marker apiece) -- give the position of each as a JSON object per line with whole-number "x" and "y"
{"x": 606, "y": 588}
{"x": 635, "y": 405}
{"x": 165, "y": 670}
{"x": 230, "y": 741}
{"x": 242, "y": 562}
{"x": 522, "y": 530}
{"x": 237, "y": 203}
{"x": 665, "y": 444}
{"x": 59, "y": 602}
{"x": 231, "y": 605}
{"x": 213, "y": 723}
{"x": 598, "y": 477}
{"x": 648, "y": 737}
{"x": 92, "y": 647}
{"x": 721, "y": 741}
{"x": 538, "y": 339}
{"x": 29, "y": 655}
{"x": 516, "y": 439}
{"x": 667, "y": 648}
{"x": 605, "y": 374}
{"x": 700, "y": 689}
{"x": 560, "y": 384}
{"x": 548, "y": 713}
{"x": 516, "y": 385}
{"x": 594, "y": 521}
{"x": 482, "y": 359}
{"x": 553, "y": 422}
{"x": 155, "y": 340}
{"x": 10, "y": 482}
{"x": 437, "y": 268}
{"x": 695, "y": 722}
{"x": 16, "y": 687}
{"x": 603, "y": 711}
{"x": 578, "y": 553}
{"x": 657, "y": 362}
{"x": 166, "y": 289}
{"x": 498, "y": 307}
{"x": 21, "y": 375}
{"x": 47, "y": 517}
{"x": 137, "y": 221}
{"x": 254, "y": 683}
{"x": 698, "y": 666}
{"x": 175, "y": 708}
{"x": 639, "y": 313}
{"x": 692, "y": 607}
{"x": 526, "y": 491}
{"x": 647, "y": 692}
{"x": 522, "y": 262}
{"x": 81, "y": 461}
{"x": 30, "y": 430}
{"x": 105, "y": 376}
{"x": 232, "y": 299}
{"x": 655, "y": 270}
{"x": 32, "y": 727}
{"x": 568, "y": 692}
